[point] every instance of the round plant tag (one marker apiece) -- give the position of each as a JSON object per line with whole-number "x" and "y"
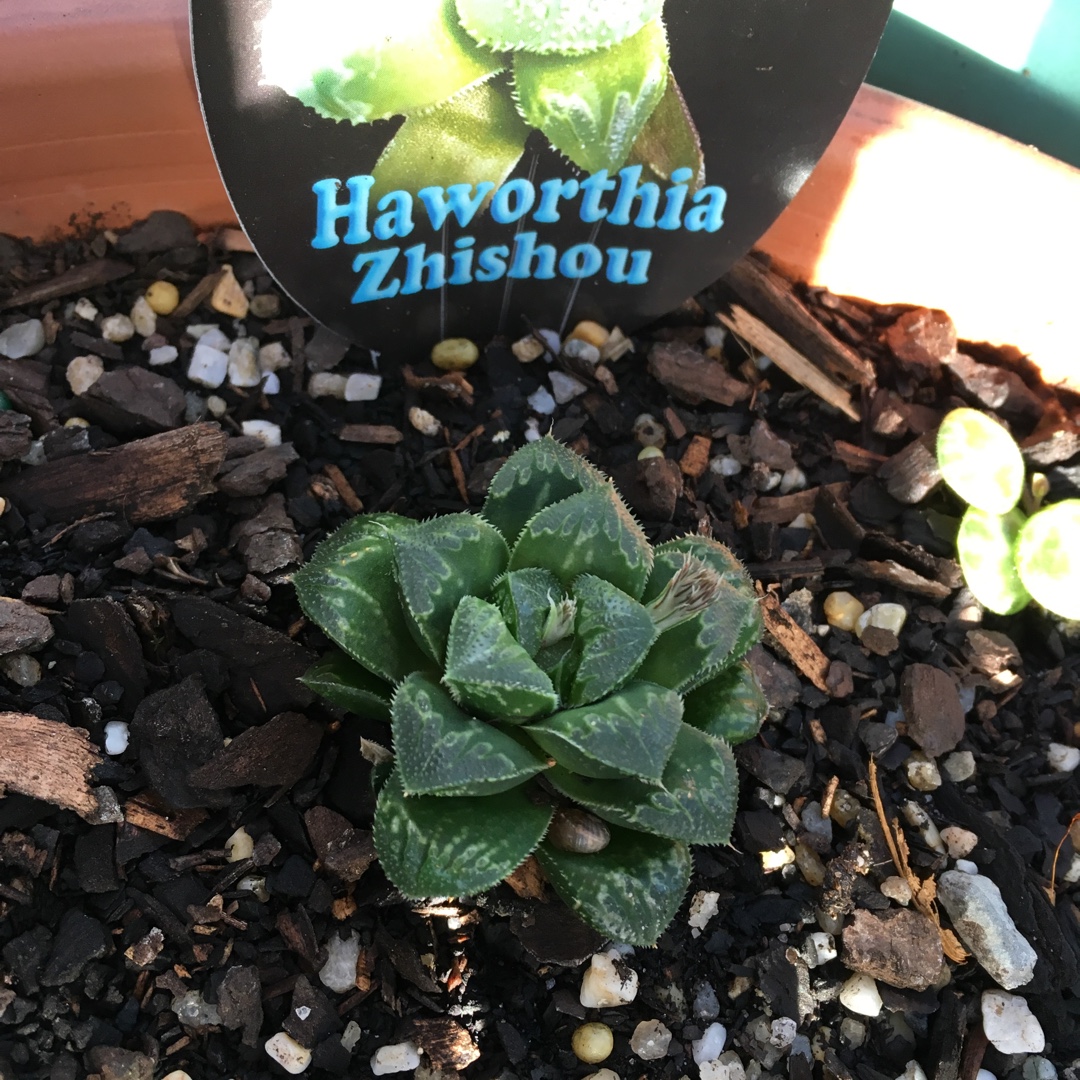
{"x": 442, "y": 168}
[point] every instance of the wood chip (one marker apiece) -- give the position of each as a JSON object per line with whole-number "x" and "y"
{"x": 892, "y": 573}
{"x": 154, "y": 479}
{"x": 695, "y": 459}
{"x": 773, "y": 298}
{"x": 78, "y": 279}
{"x": 769, "y": 343}
{"x": 857, "y": 459}
{"x": 145, "y": 811}
{"x": 50, "y": 761}
{"x": 374, "y": 434}
{"x": 528, "y": 880}
{"x": 796, "y": 642}
{"x": 198, "y": 294}
{"x": 910, "y": 475}
{"x": 446, "y": 1043}
{"x": 452, "y": 383}
{"x": 782, "y": 509}
{"x": 691, "y": 376}
{"x": 344, "y": 489}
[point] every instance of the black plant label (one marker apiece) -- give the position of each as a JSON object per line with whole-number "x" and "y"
{"x": 417, "y": 169}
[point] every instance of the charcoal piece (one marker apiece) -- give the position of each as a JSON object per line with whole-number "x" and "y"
{"x": 265, "y": 665}
{"x": 513, "y": 1042}
{"x": 268, "y": 541}
{"x": 311, "y": 1016}
{"x": 104, "y": 627}
{"x": 96, "y": 536}
{"x": 784, "y": 980}
{"x": 295, "y": 878}
{"x": 836, "y": 523}
{"x": 331, "y": 1057}
{"x": 760, "y": 830}
{"x": 15, "y": 435}
{"x": 254, "y": 474}
{"x": 274, "y": 754}
{"x": 240, "y": 1002}
{"x": 95, "y": 860}
{"x": 780, "y": 684}
{"x": 553, "y": 934}
{"x": 113, "y": 1063}
{"x": 343, "y": 851}
{"x": 175, "y": 731}
{"x": 406, "y": 961}
{"x": 133, "y": 402}
{"x": 26, "y": 954}
{"x": 162, "y": 231}
{"x": 777, "y": 771}
{"x": 26, "y": 383}
{"x": 79, "y": 940}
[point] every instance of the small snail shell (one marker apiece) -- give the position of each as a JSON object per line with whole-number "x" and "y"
{"x": 578, "y": 831}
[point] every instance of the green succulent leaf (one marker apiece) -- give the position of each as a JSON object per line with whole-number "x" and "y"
{"x": 691, "y": 652}
{"x": 694, "y": 802}
{"x": 525, "y": 597}
{"x": 457, "y": 845}
{"x": 669, "y": 141}
{"x": 730, "y": 706}
{"x": 349, "y": 590}
{"x": 489, "y": 672}
{"x": 373, "y": 62}
{"x": 594, "y": 106}
{"x": 536, "y": 476}
{"x": 346, "y": 683}
{"x": 442, "y": 750}
{"x": 630, "y": 891}
{"x": 612, "y": 635}
{"x": 1048, "y": 558}
{"x": 475, "y": 138}
{"x": 440, "y": 561}
{"x": 985, "y": 545}
{"x": 591, "y": 532}
{"x": 555, "y": 26}
{"x": 980, "y": 461}
{"x": 630, "y": 733}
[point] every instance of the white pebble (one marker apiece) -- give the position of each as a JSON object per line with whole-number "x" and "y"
{"x": 703, "y": 907}
{"x": 532, "y": 429}
{"x": 822, "y": 948}
{"x": 86, "y": 309}
{"x": 884, "y": 617}
{"x": 21, "y": 668}
{"x": 211, "y": 332}
{"x": 541, "y": 401}
{"x": 784, "y": 1031}
{"x": 363, "y": 386}
{"x": 177, "y": 1074}
{"x": 339, "y": 971}
{"x": 922, "y": 772}
{"x": 83, "y": 372}
{"x": 217, "y": 406}
{"x": 143, "y": 317}
{"x": 966, "y": 866}
{"x": 959, "y": 843}
{"x": 163, "y": 354}
{"x": 1062, "y": 758}
{"x": 256, "y": 886}
{"x": 715, "y": 336}
{"x": 794, "y": 479}
{"x": 273, "y": 357}
{"x": 913, "y": 1071}
{"x": 985, "y": 1074}
{"x": 269, "y": 432}
{"x": 711, "y": 1044}
{"x": 116, "y": 737}
{"x": 23, "y": 339}
{"x": 550, "y": 340}
{"x": 897, "y": 888}
{"x": 117, "y": 328}
{"x": 604, "y": 985}
{"x": 852, "y": 1031}
{"x": 860, "y": 995}
{"x": 244, "y": 363}
{"x": 727, "y": 1066}
{"x": 302, "y": 1012}
{"x": 1010, "y": 1025}
{"x": 239, "y": 846}
{"x": 602, "y": 1074}
{"x": 424, "y": 422}
{"x": 208, "y": 366}
{"x": 271, "y": 384}
{"x": 565, "y": 387}
{"x": 351, "y": 1035}
{"x": 725, "y": 466}
{"x": 960, "y": 766}
{"x": 288, "y": 1053}
{"x": 650, "y": 1040}
{"x": 327, "y": 384}
{"x": 398, "y": 1057}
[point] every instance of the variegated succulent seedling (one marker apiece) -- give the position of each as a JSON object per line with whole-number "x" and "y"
{"x": 554, "y": 685}
{"x": 1010, "y": 550}
{"x": 588, "y": 74}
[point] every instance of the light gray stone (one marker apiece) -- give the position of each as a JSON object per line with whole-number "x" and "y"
{"x": 985, "y": 926}
{"x": 23, "y": 339}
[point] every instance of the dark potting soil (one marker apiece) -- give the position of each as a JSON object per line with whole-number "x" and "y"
{"x": 146, "y": 555}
